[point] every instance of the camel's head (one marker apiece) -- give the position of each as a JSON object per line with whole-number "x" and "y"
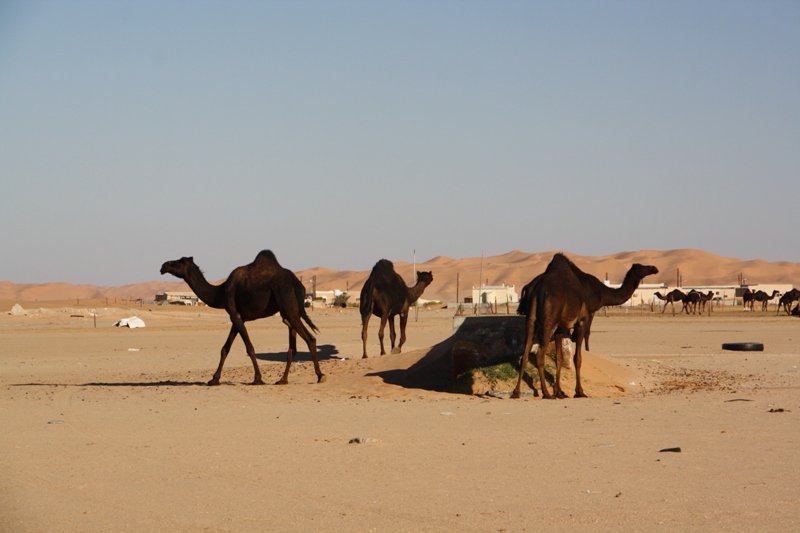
{"x": 424, "y": 277}
{"x": 178, "y": 268}
{"x": 642, "y": 271}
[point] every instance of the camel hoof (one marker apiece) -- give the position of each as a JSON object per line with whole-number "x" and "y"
{"x": 395, "y": 351}
{"x": 213, "y": 383}
{"x": 257, "y": 381}
{"x": 515, "y": 395}
{"x": 322, "y": 379}
{"x": 580, "y": 395}
{"x": 364, "y": 356}
{"x": 561, "y": 395}
{"x": 282, "y": 382}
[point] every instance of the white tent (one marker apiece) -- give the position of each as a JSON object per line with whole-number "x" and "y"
{"x": 130, "y": 322}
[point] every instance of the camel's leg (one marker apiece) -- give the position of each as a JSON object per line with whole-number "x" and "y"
{"x": 545, "y": 342}
{"x": 577, "y": 364}
{"x": 557, "y": 392}
{"x": 299, "y": 328}
{"x": 224, "y": 354}
{"x": 384, "y": 319}
{"x": 392, "y": 334}
{"x": 289, "y": 355}
{"x": 403, "y": 322}
{"x": 251, "y": 352}
{"x": 364, "y": 324}
{"x": 529, "y": 324}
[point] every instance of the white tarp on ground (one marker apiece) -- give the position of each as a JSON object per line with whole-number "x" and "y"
{"x": 130, "y": 322}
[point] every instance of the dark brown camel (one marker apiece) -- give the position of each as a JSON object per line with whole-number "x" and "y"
{"x": 556, "y": 304}
{"x": 747, "y": 300}
{"x": 764, "y": 298}
{"x": 253, "y": 291}
{"x": 675, "y": 295}
{"x": 690, "y": 301}
{"x": 596, "y": 293}
{"x": 787, "y": 300}
{"x": 704, "y": 299}
{"x": 386, "y": 295}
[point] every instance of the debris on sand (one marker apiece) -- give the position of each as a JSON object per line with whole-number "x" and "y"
{"x": 362, "y": 440}
{"x": 130, "y": 322}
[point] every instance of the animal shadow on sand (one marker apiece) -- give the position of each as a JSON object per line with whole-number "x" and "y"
{"x": 324, "y": 351}
{"x": 157, "y": 383}
{"x": 434, "y": 372}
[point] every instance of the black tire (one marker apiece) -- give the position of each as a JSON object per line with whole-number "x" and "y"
{"x": 744, "y": 346}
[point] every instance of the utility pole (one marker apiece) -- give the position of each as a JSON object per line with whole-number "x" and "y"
{"x": 480, "y": 287}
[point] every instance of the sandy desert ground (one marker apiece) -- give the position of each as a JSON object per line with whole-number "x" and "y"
{"x": 112, "y": 429}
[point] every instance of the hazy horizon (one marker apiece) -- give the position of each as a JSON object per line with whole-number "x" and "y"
{"x": 338, "y": 133}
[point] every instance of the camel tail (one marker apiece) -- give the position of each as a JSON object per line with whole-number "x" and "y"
{"x": 365, "y": 307}
{"x": 524, "y": 303}
{"x": 307, "y": 319}
{"x": 528, "y": 293}
{"x": 300, "y": 293}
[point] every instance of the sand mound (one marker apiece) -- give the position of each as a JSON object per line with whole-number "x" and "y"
{"x": 430, "y": 370}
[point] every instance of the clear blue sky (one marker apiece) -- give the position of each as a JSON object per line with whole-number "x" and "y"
{"x": 338, "y": 133}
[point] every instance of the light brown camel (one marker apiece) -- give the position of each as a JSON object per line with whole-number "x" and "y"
{"x": 597, "y": 293}
{"x": 787, "y": 300}
{"x": 253, "y": 291}
{"x": 675, "y": 295}
{"x": 764, "y": 298}
{"x": 386, "y": 295}
{"x": 556, "y": 302}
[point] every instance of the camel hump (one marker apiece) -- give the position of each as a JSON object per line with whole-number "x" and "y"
{"x": 560, "y": 261}
{"x": 383, "y": 267}
{"x": 266, "y": 257}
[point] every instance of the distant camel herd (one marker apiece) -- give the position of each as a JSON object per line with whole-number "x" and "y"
{"x": 693, "y": 299}
{"x": 560, "y": 303}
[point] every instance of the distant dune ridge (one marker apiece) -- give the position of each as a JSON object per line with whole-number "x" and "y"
{"x": 513, "y": 268}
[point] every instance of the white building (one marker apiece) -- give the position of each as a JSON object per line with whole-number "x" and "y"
{"x": 178, "y": 298}
{"x": 494, "y": 294}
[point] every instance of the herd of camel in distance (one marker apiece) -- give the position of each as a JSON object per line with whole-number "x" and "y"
{"x": 559, "y": 303}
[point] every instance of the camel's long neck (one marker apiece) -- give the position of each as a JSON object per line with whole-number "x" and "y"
{"x": 208, "y": 293}
{"x": 416, "y": 291}
{"x": 623, "y": 294}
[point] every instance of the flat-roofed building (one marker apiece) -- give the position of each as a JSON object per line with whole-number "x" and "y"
{"x": 178, "y": 298}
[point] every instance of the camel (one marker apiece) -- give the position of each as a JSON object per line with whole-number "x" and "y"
{"x": 596, "y": 293}
{"x": 253, "y": 291}
{"x": 556, "y": 304}
{"x": 764, "y": 298}
{"x": 787, "y": 300}
{"x": 690, "y": 301}
{"x": 675, "y": 295}
{"x": 704, "y": 299}
{"x": 386, "y": 295}
{"x": 747, "y": 300}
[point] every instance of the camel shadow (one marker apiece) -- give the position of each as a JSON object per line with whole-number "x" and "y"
{"x": 160, "y": 383}
{"x": 433, "y": 372}
{"x": 324, "y": 351}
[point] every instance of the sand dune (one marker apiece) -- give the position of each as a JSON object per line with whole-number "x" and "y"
{"x": 514, "y": 268}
